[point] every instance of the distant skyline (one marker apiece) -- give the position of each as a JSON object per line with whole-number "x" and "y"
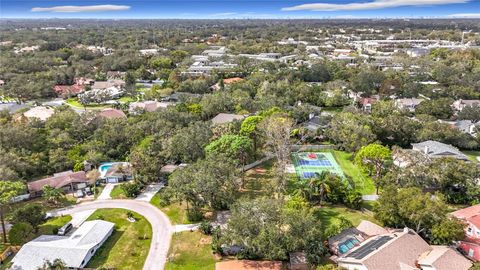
{"x": 229, "y": 9}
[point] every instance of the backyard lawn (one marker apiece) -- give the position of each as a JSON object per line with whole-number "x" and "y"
{"x": 258, "y": 180}
{"x": 363, "y": 183}
{"x": 329, "y": 215}
{"x": 190, "y": 251}
{"x": 126, "y": 248}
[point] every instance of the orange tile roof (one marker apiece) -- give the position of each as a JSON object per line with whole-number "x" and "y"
{"x": 232, "y": 80}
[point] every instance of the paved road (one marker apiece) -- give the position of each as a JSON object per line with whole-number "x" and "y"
{"x": 161, "y": 228}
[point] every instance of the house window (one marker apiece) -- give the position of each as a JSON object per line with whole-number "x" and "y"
{"x": 469, "y": 230}
{"x": 470, "y": 253}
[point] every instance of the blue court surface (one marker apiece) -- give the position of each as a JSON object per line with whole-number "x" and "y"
{"x": 309, "y": 164}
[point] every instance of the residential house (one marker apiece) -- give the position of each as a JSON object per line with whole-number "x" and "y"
{"x": 110, "y": 113}
{"x": 226, "y": 82}
{"x": 460, "y": 104}
{"x": 66, "y": 91}
{"x": 409, "y": 104}
{"x": 443, "y": 258}
{"x": 345, "y": 241}
{"x": 371, "y": 247}
{"x": 434, "y": 149}
{"x": 467, "y": 126}
{"x": 223, "y": 118}
{"x": 40, "y": 112}
{"x": 398, "y": 250}
{"x": 67, "y": 181}
{"x": 119, "y": 172}
{"x": 367, "y": 103}
{"x": 148, "y": 106}
{"x": 317, "y": 122}
{"x": 370, "y": 229}
{"x": 75, "y": 250}
{"x": 470, "y": 246}
{"x": 115, "y": 86}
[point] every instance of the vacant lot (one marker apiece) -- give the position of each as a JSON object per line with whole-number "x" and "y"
{"x": 190, "y": 251}
{"x": 128, "y": 246}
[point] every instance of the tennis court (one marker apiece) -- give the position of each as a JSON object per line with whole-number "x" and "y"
{"x": 308, "y": 164}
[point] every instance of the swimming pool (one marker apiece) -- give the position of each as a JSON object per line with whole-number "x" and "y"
{"x": 104, "y": 168}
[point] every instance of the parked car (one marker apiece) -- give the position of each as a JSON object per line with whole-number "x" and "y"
{"x": 79, "y": 194}
{"x": 65, "y": 229}
{"x": 88, "y": 191}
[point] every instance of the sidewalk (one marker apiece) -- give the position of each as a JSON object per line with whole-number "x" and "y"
{"x": 185, "y": 227}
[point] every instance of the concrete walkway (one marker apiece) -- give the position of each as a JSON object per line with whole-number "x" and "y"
{"x": 186, "y": 227}
{"x": 161, "y": 228}
{"x": 149, "y": 192}
{"x": 105, "y": 195}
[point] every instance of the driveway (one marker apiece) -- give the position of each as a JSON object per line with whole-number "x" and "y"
{"x": 105, "y": 195}
{"x": 149, "y": 192}
{"x": 161, "y": 228}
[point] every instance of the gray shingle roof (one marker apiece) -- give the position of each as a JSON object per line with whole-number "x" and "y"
{"x": 438, "y": 149}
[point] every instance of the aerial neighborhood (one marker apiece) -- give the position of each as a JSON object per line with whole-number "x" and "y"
{"x": 240, "y": 144}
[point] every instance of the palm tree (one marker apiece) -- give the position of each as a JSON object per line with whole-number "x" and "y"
{"x": 57, "y": 264}
{"x": 319, "y": 185}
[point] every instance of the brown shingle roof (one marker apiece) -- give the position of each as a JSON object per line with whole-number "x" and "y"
{"x": 58, "y": 181}
{"x": 444, "y": 258}
{"x": 370, "y": 228}
{"x": 112, "y": 113}
{"x": 405, "y": 248}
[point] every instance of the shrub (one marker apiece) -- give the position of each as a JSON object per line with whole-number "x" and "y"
{"x": 131, "y": 190}
{"x": 353, "y": 199}
{"x": 194, "y": 215}
{"x": 206, "y": 227}
{"x": 20, "y": 233}
{"x": 32, "y": 214}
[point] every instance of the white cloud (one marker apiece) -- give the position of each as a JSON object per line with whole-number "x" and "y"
{"x": 465, "y": 15}
{"x": 376, "y": 4}
{"x": 81, "y": 8}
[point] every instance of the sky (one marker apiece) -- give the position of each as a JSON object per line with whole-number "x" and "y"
{"x": 230, "y": 9}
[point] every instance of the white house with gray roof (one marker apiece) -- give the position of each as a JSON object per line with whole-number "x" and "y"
{"x": 436, "y": 149}
{"x": 74, "y": 250}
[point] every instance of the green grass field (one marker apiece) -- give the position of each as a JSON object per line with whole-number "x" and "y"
{"x": 176, "y": 212}
{"x": 52, "y": 225}
{"x": 117, "y": 193}
{"x": 363, "y": 183}
{"x": 472, "y": 155}
{"x": 76, "y": 104}
{"x": 190, "y": 251}
{"x": 329, "y": 215}
{"x": 126, "y": 248}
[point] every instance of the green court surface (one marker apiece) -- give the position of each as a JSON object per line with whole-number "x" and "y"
{"x": 308, "y": 164}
